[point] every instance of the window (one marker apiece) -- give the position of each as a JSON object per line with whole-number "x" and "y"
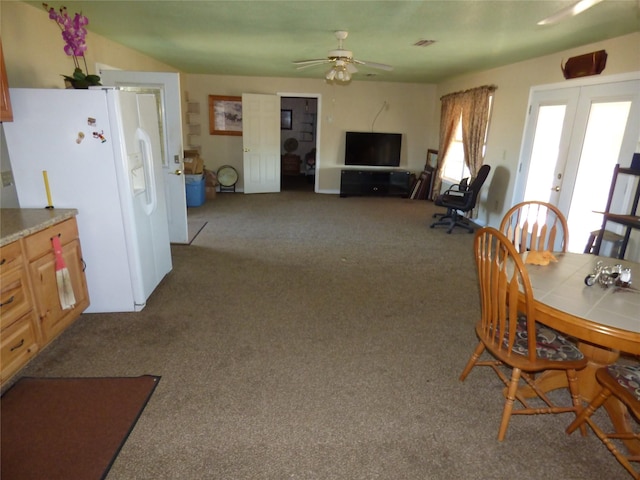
{"x": 454, "y": 168}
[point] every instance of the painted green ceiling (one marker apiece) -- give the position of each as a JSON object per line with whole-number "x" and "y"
{"x": 262, "y": 38}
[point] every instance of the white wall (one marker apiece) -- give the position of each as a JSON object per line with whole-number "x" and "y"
{"x": 410, "y": 110}
{"x": 34, "y": 55}
{"x": 34, "y": 58}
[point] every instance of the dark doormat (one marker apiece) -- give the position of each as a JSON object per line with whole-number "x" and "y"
{"x": 69, "y": 428}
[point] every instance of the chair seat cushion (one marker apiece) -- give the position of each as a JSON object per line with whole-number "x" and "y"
{"x": 447, "y": 200}
{"x": 628, "y": 376}
{"x": 550, "y": 345}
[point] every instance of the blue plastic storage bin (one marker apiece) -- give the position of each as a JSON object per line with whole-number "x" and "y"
{"x": 194, "y": 185}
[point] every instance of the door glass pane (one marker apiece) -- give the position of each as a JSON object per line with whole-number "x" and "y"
{"x": 600, "y": 152}
{"x": 544, "y": 153}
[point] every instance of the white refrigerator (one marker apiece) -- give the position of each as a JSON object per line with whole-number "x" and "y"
{"x": 101, "y": 151}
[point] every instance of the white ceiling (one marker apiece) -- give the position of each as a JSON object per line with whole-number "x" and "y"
{"x": 263, "y": 38}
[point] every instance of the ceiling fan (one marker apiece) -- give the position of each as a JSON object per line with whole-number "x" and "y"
{"x": 570, "y": 11}
{"x": 344, "y": 65}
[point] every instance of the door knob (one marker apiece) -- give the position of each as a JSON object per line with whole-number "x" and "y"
{"x": 557, "y": 189}
{"x": 177, "y": 172}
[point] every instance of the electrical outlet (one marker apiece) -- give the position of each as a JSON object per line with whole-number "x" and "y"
{"x": 7, "y": 178}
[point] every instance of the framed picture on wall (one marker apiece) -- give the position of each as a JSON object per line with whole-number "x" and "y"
{"x": 225, "y": 115}
{"x": 432, "y": 158}
{"x": 286, "y": 120}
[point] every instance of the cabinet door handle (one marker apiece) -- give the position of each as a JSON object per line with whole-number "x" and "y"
{"x": 8, "y": 301}
{"x": 3, "y": 261}
{"x": 15, "y": 347}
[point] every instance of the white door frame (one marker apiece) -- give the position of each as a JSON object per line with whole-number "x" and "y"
{"x": 317, "y": 96}
{"x": 168, "y": 84}
{"x": 522, "y": 170}
{"x": 577, "y": 95}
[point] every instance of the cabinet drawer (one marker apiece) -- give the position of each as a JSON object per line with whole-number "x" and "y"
{"x": 15, "y": 299}
{"x": 10, "y": 257}
{"x": 39, "y": 243}
{"x": 53, "y": 319}
{"x": 17, "y": 347}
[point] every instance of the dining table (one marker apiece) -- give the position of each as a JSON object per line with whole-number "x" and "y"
{"x": 602, "y": 317}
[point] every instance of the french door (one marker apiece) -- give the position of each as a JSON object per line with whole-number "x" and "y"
{"x": 573, "y": 138}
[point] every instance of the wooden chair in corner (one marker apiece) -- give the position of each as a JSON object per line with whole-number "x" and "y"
{"x": 536, "y": 226}
{"x": 508, "y": 332}
{"x": 623, "y": 382}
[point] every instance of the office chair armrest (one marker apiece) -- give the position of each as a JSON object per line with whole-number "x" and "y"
{"x": 456, "y": 193}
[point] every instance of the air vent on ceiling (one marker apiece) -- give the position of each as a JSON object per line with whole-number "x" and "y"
{"x": 424, "y": 43}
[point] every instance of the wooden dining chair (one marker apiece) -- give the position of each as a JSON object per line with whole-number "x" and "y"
{"x": 534, "y": 225}
{"x": 623, "y": 382}
{"x": 508, "y": 332}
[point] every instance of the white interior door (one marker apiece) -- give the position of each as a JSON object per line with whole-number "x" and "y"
{"x": 573, "y": 138}
{"x": 166, "y": 87}
{"x": 261, "y": 143}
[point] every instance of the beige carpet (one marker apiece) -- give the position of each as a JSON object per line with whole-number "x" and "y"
{"x": 307, "y": 336}
{"x": 194, "y": 227}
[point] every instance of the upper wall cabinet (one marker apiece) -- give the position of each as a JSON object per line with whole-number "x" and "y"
{"x": 6, "y": 114}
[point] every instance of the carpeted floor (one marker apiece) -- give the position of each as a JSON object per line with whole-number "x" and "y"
{"x": 194, "y": 227}
{"x": 307, "y": 336}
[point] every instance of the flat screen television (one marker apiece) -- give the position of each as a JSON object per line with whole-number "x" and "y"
{"x": 373, "y": 149}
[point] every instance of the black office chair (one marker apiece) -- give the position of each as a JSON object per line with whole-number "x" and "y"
{"x": 458, "y": 200}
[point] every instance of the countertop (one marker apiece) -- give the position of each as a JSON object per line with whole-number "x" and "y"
{"x": 16, "y": 223}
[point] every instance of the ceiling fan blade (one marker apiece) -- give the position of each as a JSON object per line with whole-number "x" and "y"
{"x": 569, "y": 12}
{"x": 314, "y": 64}
{"x": 380, "y": 66}
{"x": 343, "y": 62}
{"x": 315, "y": 60}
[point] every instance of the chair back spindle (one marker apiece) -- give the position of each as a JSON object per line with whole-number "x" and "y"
{"x": 505, "y": 292}
{"x": 535, "y": 226}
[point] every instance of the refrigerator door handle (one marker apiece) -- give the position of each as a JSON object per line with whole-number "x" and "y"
{"x": 151, "y": 196}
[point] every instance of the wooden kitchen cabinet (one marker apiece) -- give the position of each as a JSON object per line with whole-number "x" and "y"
{"x": 42, "y": 269}
{"x": 18, "y": 322}
{"x": 19, "y": 344}
{"x": 30, "y": 312}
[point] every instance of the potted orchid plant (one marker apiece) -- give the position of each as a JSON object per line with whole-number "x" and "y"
{"x": 74, "y": 35}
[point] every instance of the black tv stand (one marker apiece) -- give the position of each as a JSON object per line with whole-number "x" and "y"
{"x": 375, "y": 183}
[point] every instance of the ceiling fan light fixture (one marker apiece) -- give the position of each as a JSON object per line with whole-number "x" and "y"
{"x": 343, "y": 75}
{"x": 344, "y": 65}
{"x": 338, "y": 73}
